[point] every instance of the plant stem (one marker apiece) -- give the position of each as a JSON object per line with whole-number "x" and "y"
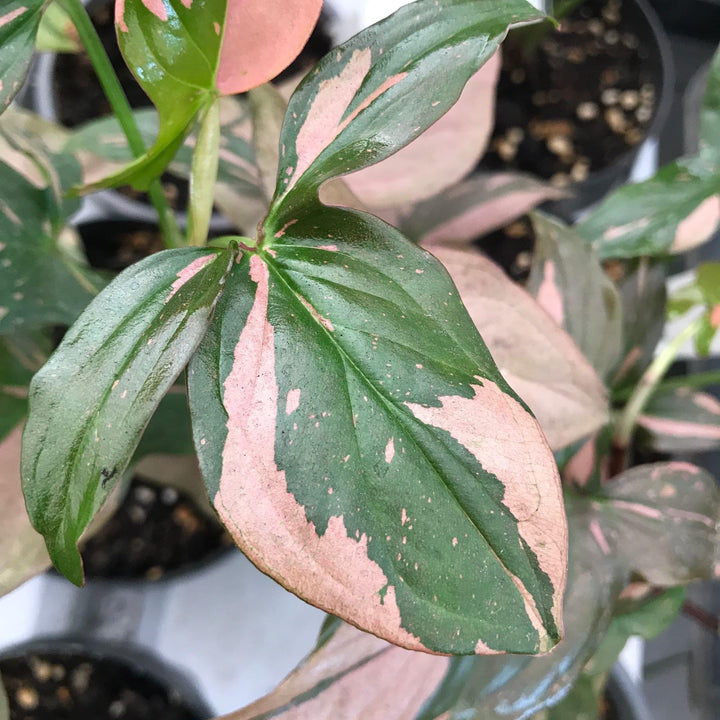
{"x": 696, "y": 380}
{"x": 119, "y": 103}
{"x": 647, "y": 385}
{"x": 204, "y": 175}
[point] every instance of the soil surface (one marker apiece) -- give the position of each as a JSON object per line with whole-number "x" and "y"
{"x": 54, "y": 686}
{"x": 583, "y": 99}
{"x": 511, "y": 247}
{"x": 156, "y": 530}
{"x": 116, "y": 245}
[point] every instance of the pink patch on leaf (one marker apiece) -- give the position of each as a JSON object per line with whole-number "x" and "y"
{"x": 390, "y": 451}
{"x": 599, "y": 537}
{"x": 12, "y": 15}
{"x": 549, "y": 295}
{"x": 293, "y": 402}
{"x": 120, "y": 15}
{"x": 715, "y": 317}
{"x": 189, "y": 272}
{"x": 157, "y": 8}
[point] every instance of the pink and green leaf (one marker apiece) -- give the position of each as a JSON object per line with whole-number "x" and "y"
{"x": 91, "y": 401}
{"x": 184, "y": 53}
{"x": 539, "y": 360}
{"x": 571, "y": 285}
{"x": 473, "y": 208}
{"x": 682, "y": 421}
{"x": 338, "y": 401}
{"x": 19, "y": 22}
{"x": 382, "y": 89}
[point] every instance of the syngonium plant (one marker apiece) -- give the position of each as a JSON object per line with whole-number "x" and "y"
{"x": 360, "y": 440}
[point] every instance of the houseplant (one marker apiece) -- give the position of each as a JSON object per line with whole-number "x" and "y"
{"x": 354, "y": 538}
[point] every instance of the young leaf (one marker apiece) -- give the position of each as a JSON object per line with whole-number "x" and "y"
{"x": 682, "y": 421}
{"x": 22, "y": 550}
{"x": 442, "y": 156}
{"x": 184, "y": 53}
{"x": 344, "y": 398}
{"x": 92, "y": 399}
{"x": 571, "y": 285}
{"x": 661, "y": 520}
{"x": 475, "y": 207}
{"x": 19, "y": 21}
{"x": 533, "y": 353}
{"x": 379, "y": 91}
{"x": 41, "y": 282}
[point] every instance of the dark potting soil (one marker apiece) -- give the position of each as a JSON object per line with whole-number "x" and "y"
{"x": 156, "y": 530}
{"x": 57, "y": 686}
{"x": 116, "y": 245}
{"x": 586, "y": 97}
{"x": 511, "y": 247}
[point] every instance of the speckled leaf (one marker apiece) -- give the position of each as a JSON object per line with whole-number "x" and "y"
{"x": 333, "y": 682}
{"x": 102, "y": 148}
{"x": 662, "y": 521}
{"x": 186, "y": 52}
{"x": 681, "y": 420}
{"x": 22, "y": 550}
{"x": 379, "y": 91}
{"x": 343, "y": 398}
{"x": 473, "y": 208}
{"x": 92, "y": 399}
{"x": 19, "y": 21}
{"x": 43, "y": 281}
{"x": 533, "y": 353}
{"x": 571, "y": 285}
{"x": 442, "y": 156}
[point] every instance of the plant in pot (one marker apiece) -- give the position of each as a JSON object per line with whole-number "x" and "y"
{"x": 355, "y": 434}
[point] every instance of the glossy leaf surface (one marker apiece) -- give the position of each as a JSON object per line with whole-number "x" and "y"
{"x": 19, "y": 21}
{"x": 473, "y": 208}
{"x": 92, "y": 399}
{"x": 338, "y": 401}
{"x": 379, "y": 91}
{"x": 571, "y": 285}
{"x": 533, "y": 353}
{"x": 682, "y": 421}
{"x": 186, "y": 52}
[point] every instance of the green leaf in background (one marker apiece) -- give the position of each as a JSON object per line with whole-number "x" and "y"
{"x": 185, "y": 54}
{"x": 680, "y": 420}
{"x": 569, "y": 282}
{"x": 169, "y": 431}
{"x": 339, "y": 400}
{"x": 56, "y": 32}
{"x": 674, "y": 211}
{"x": 42, "y": 281}
{"x": 92, "y": 399}
{"x": 19, "y": 21}
{"x": 471, "y": 209}
{"x": 536, "y": 356}
{"x": 380, "y": 90}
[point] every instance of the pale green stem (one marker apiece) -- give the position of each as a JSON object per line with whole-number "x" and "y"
{"x": 204, "y": 175}
{"x": 649, "y": 382}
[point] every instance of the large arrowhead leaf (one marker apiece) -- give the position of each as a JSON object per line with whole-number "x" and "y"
{"x": 347, "y": 422}
{"x": 184, "y": 53}
{"x": 92, "y": 399}
{"x": 533, "y": 353}
{"x": 569, "y": 282}
{"x": 384, "y": 87}
{"x": 19, "y": 21}
{"x": 680, "y": 420}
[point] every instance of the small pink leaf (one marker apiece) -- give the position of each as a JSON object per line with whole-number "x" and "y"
{"x": 261, "y": 39}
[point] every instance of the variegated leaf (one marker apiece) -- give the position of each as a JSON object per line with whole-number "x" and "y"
{"x": 19, "y": 21}
{"x": 682, "y": 421}
{"x": 186, "y": 52}
{"x": 353, "y": 675}
{"x": 442, "y": 156}
{"x": 676, "y": 210}
{"x": 92, "y": 399}
{"x": 20, "y": 357}
{"x": 379, "y": 91}
{"x": 662, "y": 521}
{"x": 22, "y": 549}
{"x": 475, "y": 207}
{"x": 339, "y": 403}
{"x": 533, "y": 353}
{"x": 571, "y": 285}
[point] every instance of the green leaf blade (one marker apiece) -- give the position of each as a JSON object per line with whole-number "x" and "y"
{"x": 380, "y": 90}
{"x": 338, "y": 404}
{"x": 90, "y": 403}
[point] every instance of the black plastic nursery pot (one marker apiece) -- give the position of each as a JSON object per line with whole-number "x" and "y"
{"x": 76, "y": 679}
{"x": 579, "y": 112}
